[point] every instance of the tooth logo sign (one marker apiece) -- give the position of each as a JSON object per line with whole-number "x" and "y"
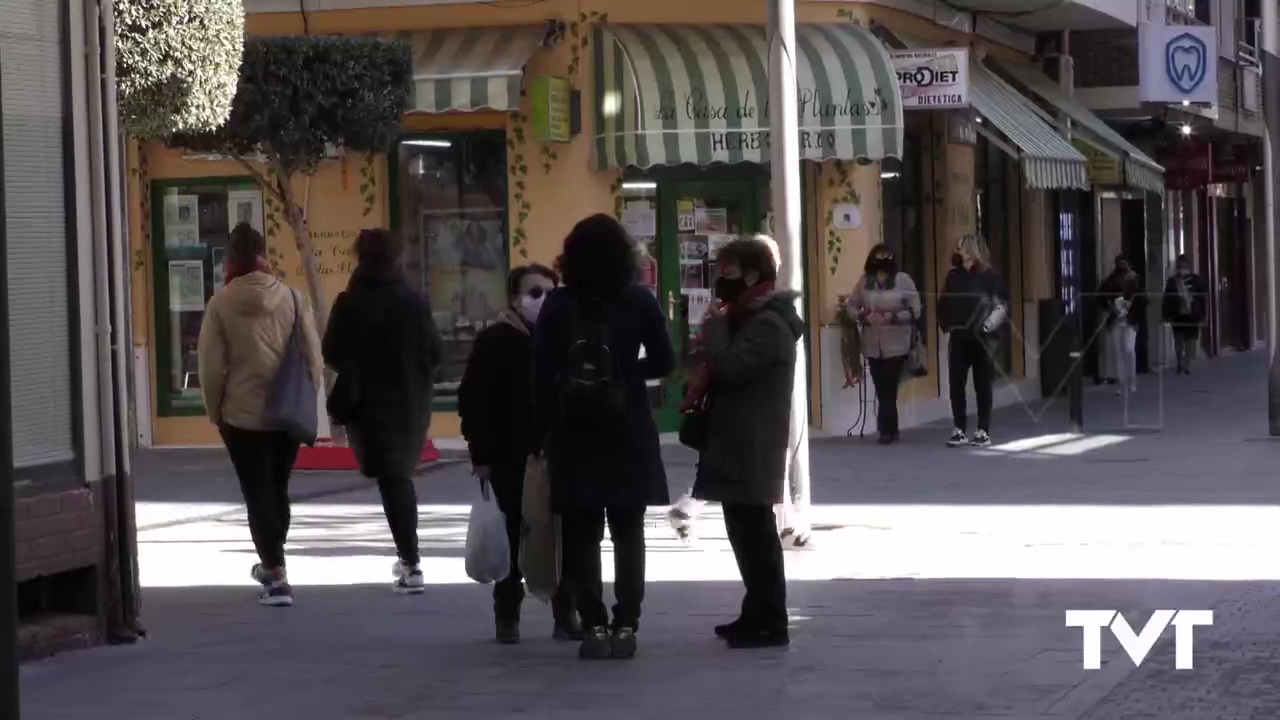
{"x": 1186, "y": 62}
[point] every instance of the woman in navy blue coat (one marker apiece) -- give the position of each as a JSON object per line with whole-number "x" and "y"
{"x": 592, "y": 407}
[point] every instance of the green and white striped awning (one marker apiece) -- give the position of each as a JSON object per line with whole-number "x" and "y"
{"x": 464, "y": 69}
{"x": 1140, "y": 171}
{"x": 675, "y": 94}
{"x": 1049, "y": 162}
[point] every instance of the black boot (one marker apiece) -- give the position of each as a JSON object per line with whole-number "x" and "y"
{"x": 567, "y": 624}
{"x": 507, "y": 598}
{"x": 508, "y": 630}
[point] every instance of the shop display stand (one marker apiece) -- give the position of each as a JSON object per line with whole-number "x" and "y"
{"x": 860, "y": 423}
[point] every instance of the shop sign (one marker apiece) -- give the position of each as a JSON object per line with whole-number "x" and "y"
{"x": 549, "y": 108}
{"x": 1233, "y": 164}
{"x": 1188, "y": 165}
{"x": 1103, "y": 169}
{"x": 1178, "y": 63}
{"x": 933, "y": 79}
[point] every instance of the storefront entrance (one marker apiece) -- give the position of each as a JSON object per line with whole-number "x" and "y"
{"x": 680, "y": 224}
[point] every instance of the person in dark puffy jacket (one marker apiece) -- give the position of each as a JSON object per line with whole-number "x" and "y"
{"x": 382, "y": 337}
{"x": 1184, "y": 308}
{"x": 495, "y": 402}
{"x": 973, "y": 308}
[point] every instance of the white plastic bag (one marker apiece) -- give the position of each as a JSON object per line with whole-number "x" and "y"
{"x": 488, "y": 556}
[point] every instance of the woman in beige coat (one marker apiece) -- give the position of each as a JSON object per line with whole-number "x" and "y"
{"x": 247, "y": 326}
{"x": 887, "y": 305}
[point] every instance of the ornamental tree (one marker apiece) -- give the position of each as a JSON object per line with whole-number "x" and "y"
{"x": 299, "y": 98}
{"x": 177, "y": 63}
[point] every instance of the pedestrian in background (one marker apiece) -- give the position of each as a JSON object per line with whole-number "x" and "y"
{"x": 383, "y": 344}
{"x": 973, "y": 308}
{"x": 1123, "y": 305}
{"x": 495, "y": 401}
{"x": 592, "y": 405}
{"x": 887, "y": 305}
{"x": 1184, "y": 308}
{"x": 745, "y": 388}
{"x": 247, "y": 326}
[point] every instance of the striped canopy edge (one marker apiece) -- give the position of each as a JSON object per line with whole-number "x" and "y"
{"x": 468, "y": 69}
{"x": 698, "y": 94}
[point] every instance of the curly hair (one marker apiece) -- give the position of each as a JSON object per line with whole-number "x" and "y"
{"x": 757, "y": 253}
{"x": 599, "y": 258}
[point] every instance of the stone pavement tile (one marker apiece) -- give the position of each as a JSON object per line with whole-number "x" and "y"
{"x": 1237, "y": 663}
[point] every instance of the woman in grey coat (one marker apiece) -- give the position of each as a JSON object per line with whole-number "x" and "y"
{"x": 887, "y": 305}
{"x": 746, "y": 385}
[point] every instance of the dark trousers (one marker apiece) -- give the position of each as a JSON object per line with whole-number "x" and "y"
{"x": 507, "y": 482}
{"x": 400, "y": 504}
{"x": 753, "y": 534}
{"x": 582, "y": 531}
{"x": 263, "y": 462}
{"x": 886, "y": 375}
{"x": 965, "y": 352}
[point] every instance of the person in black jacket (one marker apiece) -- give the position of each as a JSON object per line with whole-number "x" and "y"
{"x": 592, "y": 405}
{"x": 1123, "y": 304}
{"x": 973, "y": 307}
{"x": 495, "y": 402}
{"x": 1184, "y": 309}
{"x": 382, "y": 342}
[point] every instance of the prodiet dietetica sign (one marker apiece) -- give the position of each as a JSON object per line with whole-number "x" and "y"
{"x": 1138, "y": 645}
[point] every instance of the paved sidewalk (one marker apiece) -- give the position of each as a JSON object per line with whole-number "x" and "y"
{"x": 937, "y": 590}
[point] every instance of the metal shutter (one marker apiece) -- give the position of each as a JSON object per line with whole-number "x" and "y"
{"x": 33, "y": 84}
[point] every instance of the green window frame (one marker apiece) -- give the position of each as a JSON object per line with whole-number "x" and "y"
{"x": 395, "y": 186}
{"x": 166, "y": 405}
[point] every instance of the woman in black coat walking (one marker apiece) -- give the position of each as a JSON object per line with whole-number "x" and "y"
{"x": 592, "y": 406}
{"x": 1184, "y": 308}
{"x": 496, "y": 405}
{"x": 383, "y": 344}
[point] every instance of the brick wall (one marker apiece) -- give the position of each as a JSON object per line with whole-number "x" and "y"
{"x": 1105, "y": 58}
{"x": 58, "y": 532}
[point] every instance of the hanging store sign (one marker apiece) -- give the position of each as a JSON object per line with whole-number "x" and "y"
{"x": 1178, "y": 63}
{"x": 1188, "y": 165}
{"x": 1233, "y": 164}
{"x": 1103, "y": 169}
{"x": 933, "y": 79}
{"x": 549, "y": 108}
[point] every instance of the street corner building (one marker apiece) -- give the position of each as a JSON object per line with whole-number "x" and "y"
{"x": 920, "y": 122}
{"x": 62, "y": 396}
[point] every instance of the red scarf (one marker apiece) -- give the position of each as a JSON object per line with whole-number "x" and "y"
{"x": 235, "y": 269}
{"x": 700, "y": 378}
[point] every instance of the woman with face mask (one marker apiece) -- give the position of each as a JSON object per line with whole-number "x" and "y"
{"x": 1184, "y": 308}
{"x": 886, "y": 304}
{"x": 495, "y": 402}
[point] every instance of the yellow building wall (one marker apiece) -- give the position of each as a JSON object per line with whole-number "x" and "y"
{"x": 548, "y": 192}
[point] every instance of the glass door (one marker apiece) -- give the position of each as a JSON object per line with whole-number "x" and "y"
{"x": 695, "y": 219}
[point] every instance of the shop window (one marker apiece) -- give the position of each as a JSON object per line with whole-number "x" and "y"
{"x": 902, "y": 186}
{"x": 190, "y": 227}
{"x": 451, "y": 205}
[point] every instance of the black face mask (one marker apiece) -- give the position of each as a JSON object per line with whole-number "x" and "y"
{"x": 729, "y": 289}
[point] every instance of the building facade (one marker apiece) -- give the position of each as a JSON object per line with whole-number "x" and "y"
{"x": 920, "y": 124}
{"x": 60, "y": 403}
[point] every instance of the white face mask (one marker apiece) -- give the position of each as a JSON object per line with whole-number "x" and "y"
{"x": 530, "y": 307}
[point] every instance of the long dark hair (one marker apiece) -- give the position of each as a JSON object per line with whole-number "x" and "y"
{"x": 886, "y": 263}
{"x": 599, "y": 258}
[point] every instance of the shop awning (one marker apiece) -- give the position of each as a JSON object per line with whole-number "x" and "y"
{"x": 464, "y": 69}
{"x": 1049, "y": 162}
{"x": 675, "y": 94}
{"x": 1140, "y": 171}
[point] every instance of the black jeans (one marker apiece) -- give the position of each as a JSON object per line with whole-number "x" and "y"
{"x": 753, "y": 534}
{"x": 966, "y": 352}
{"x": 886, "y": 375}
{"x": 264, "y": 462}
{"x": 507, "y": 482}
{"x": 400, "y": 504}
{"x": 582, "y": 531}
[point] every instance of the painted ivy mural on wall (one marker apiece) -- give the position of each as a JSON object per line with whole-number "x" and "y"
{"x": 842, "y": 192}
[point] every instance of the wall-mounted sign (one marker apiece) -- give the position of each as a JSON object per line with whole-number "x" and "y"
{"x": 1188, "y": 164}
{"x": 1103, "y": 169}
{"x": 550, "y": 113}
{"x": 1178, "y": 63}
{"x": 933, "y": 79}
{"x": 1233, "y": 164}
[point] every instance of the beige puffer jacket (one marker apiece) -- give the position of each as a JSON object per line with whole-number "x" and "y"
{"x": 246, "y": 328}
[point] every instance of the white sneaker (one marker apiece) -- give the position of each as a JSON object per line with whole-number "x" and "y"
{"x": 958, "y": 438}
{"x": 409, "y": 579}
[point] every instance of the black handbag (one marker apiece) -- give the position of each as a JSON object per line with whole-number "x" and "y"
{"x": 695, "y": 428}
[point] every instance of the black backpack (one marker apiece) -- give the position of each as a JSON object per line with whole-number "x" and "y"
{"x": 593, "y": 388}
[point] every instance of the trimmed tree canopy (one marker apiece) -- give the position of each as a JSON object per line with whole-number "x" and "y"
{"x": 177, "y": 63}
{"x": 299, "y": 95}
